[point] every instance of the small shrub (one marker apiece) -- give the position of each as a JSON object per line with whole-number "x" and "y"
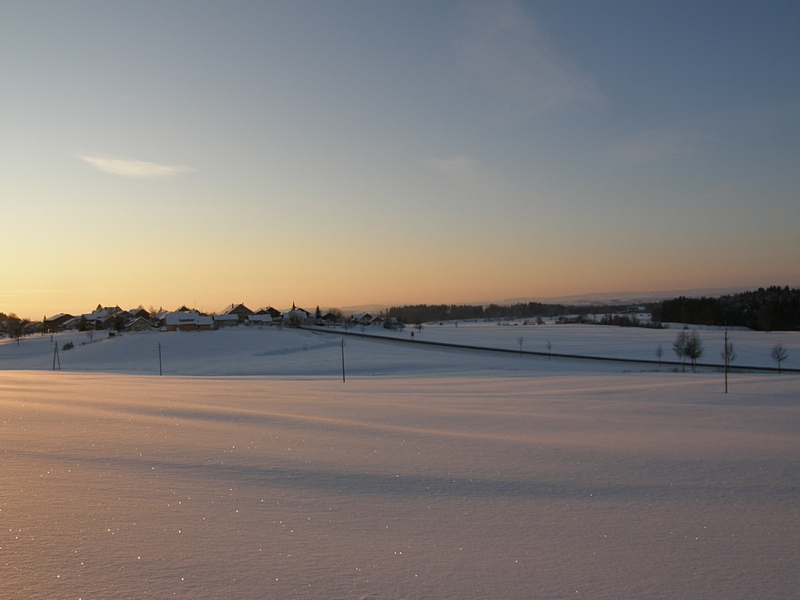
{"x": 68, "y": 346}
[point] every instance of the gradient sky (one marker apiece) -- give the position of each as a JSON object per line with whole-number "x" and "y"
{"x": 353, "y": 153}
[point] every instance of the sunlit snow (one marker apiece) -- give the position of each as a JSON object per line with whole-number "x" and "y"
{"x": 250, "y": 470}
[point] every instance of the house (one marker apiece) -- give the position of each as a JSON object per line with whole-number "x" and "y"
{"x": 240, "y": 310}
{"x": 71, "y": 324}
{"x": 56, "y": 322}
{"x": 187, "y": 321}
{"x": 138, "y": 324}
{"x": 257, "y": 319}
{"x": 366, "y": 319}
{"x": 100, "y": 315}
{"x": 296, "y": 315}
{"x": 272, "y": 312}
{"x": 139, "y": 312}
{"x": 229, "y": 320}
{"x": 117, "y": 320}
{"x": 358, "y": 318}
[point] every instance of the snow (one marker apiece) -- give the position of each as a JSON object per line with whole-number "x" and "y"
{"x": 274, "y": 351}
{"x": 250, "y": 470}
{"x": 752, "y": 347}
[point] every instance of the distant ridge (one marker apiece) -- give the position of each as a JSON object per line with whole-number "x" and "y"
{"x": 580, "y": 300}
{"x": 629, "y": 297}
{"x": 365, "y": 308}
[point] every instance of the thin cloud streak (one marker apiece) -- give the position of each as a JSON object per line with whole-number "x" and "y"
{"x": 134, "y": 169}
{"x": 701, "y": 134}
{"x": 479, "y": 181}
{"x": 504, "y": 52}
{"x": 661, "y": 145}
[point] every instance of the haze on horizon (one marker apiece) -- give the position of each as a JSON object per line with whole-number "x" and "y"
{"x": 387, "y": 153}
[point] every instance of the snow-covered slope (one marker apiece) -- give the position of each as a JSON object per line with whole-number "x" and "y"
{"x": 272, "y": 351}
{"x": 650, "y": 485}
{"x": 250, "y": 470}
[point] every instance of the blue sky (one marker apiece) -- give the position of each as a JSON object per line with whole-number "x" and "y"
{"x": 380, "y": 153}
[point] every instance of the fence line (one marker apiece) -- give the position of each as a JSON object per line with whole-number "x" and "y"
{"x": 640, "y": 361}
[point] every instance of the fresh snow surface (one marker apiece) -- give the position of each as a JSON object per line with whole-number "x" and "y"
{"x": 430, "y": 473}
{"x": 752, "y": 347}
{"x": 283, "y": 351}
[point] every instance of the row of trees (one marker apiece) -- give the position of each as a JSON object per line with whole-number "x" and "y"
{"x": 766, "y": 309}
{"x": 425, "y": 313}
{"x": 688, "y": 345}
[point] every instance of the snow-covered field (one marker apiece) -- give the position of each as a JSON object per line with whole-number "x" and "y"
{"x": 250, "y": 470}
{"x": 752, "y": 347}
{"x": 273, "y": 351}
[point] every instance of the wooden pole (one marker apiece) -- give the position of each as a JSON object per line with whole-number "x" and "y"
{"x": 343, "y": 375}
{"x": 160, "y": 372}
{"x": 726, "y": 356}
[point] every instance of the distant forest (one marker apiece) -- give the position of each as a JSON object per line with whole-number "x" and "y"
{"x": 424, "y": 313}
{"x": 771, "y": 309}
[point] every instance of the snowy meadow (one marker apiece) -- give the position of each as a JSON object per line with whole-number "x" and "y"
{"x": 250, "y": 470}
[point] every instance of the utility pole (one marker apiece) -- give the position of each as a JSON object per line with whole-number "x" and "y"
{"x": 56, "y": 358}
{"x": 160, "y": 372}
{"x": 343, "y": 376}
{"x": 726, "y": 356}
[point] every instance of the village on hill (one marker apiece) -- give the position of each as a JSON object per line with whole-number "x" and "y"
{"x": 113, "y": 318}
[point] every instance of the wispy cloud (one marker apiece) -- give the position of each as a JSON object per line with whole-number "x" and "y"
{"x": 135, "y": 169}
{"x": 470, "y": 175}
{"x": 702, "y": 134}
{"x": 665, "y": 144}
{"x": 504, "y": 52}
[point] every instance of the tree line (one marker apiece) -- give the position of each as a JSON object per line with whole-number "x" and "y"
{"x": 425, "y": 313}
{"x": 771, "y": 309}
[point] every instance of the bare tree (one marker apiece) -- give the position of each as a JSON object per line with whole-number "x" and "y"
{"x": 693, "y": 349}
{"x": 728, "y": 355}
{"x": 779, "y": 354}
{"x": 15, "y": 327}
{"x": 659, "y": 354}
{"x": 679, "y": 348}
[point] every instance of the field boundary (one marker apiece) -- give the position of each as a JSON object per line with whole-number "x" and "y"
{"x": 640, "y": 361}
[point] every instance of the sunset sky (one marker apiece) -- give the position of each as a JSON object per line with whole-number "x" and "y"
{"x": 356, "y": 153}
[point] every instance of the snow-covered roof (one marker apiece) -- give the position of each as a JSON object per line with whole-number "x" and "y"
{"x": 230, "y": 309}
{"x": 135, "y": 320}
{"x": 57, "y": 317}
{"x": 260, "y": 318}
{"x": 187, "y": 318}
